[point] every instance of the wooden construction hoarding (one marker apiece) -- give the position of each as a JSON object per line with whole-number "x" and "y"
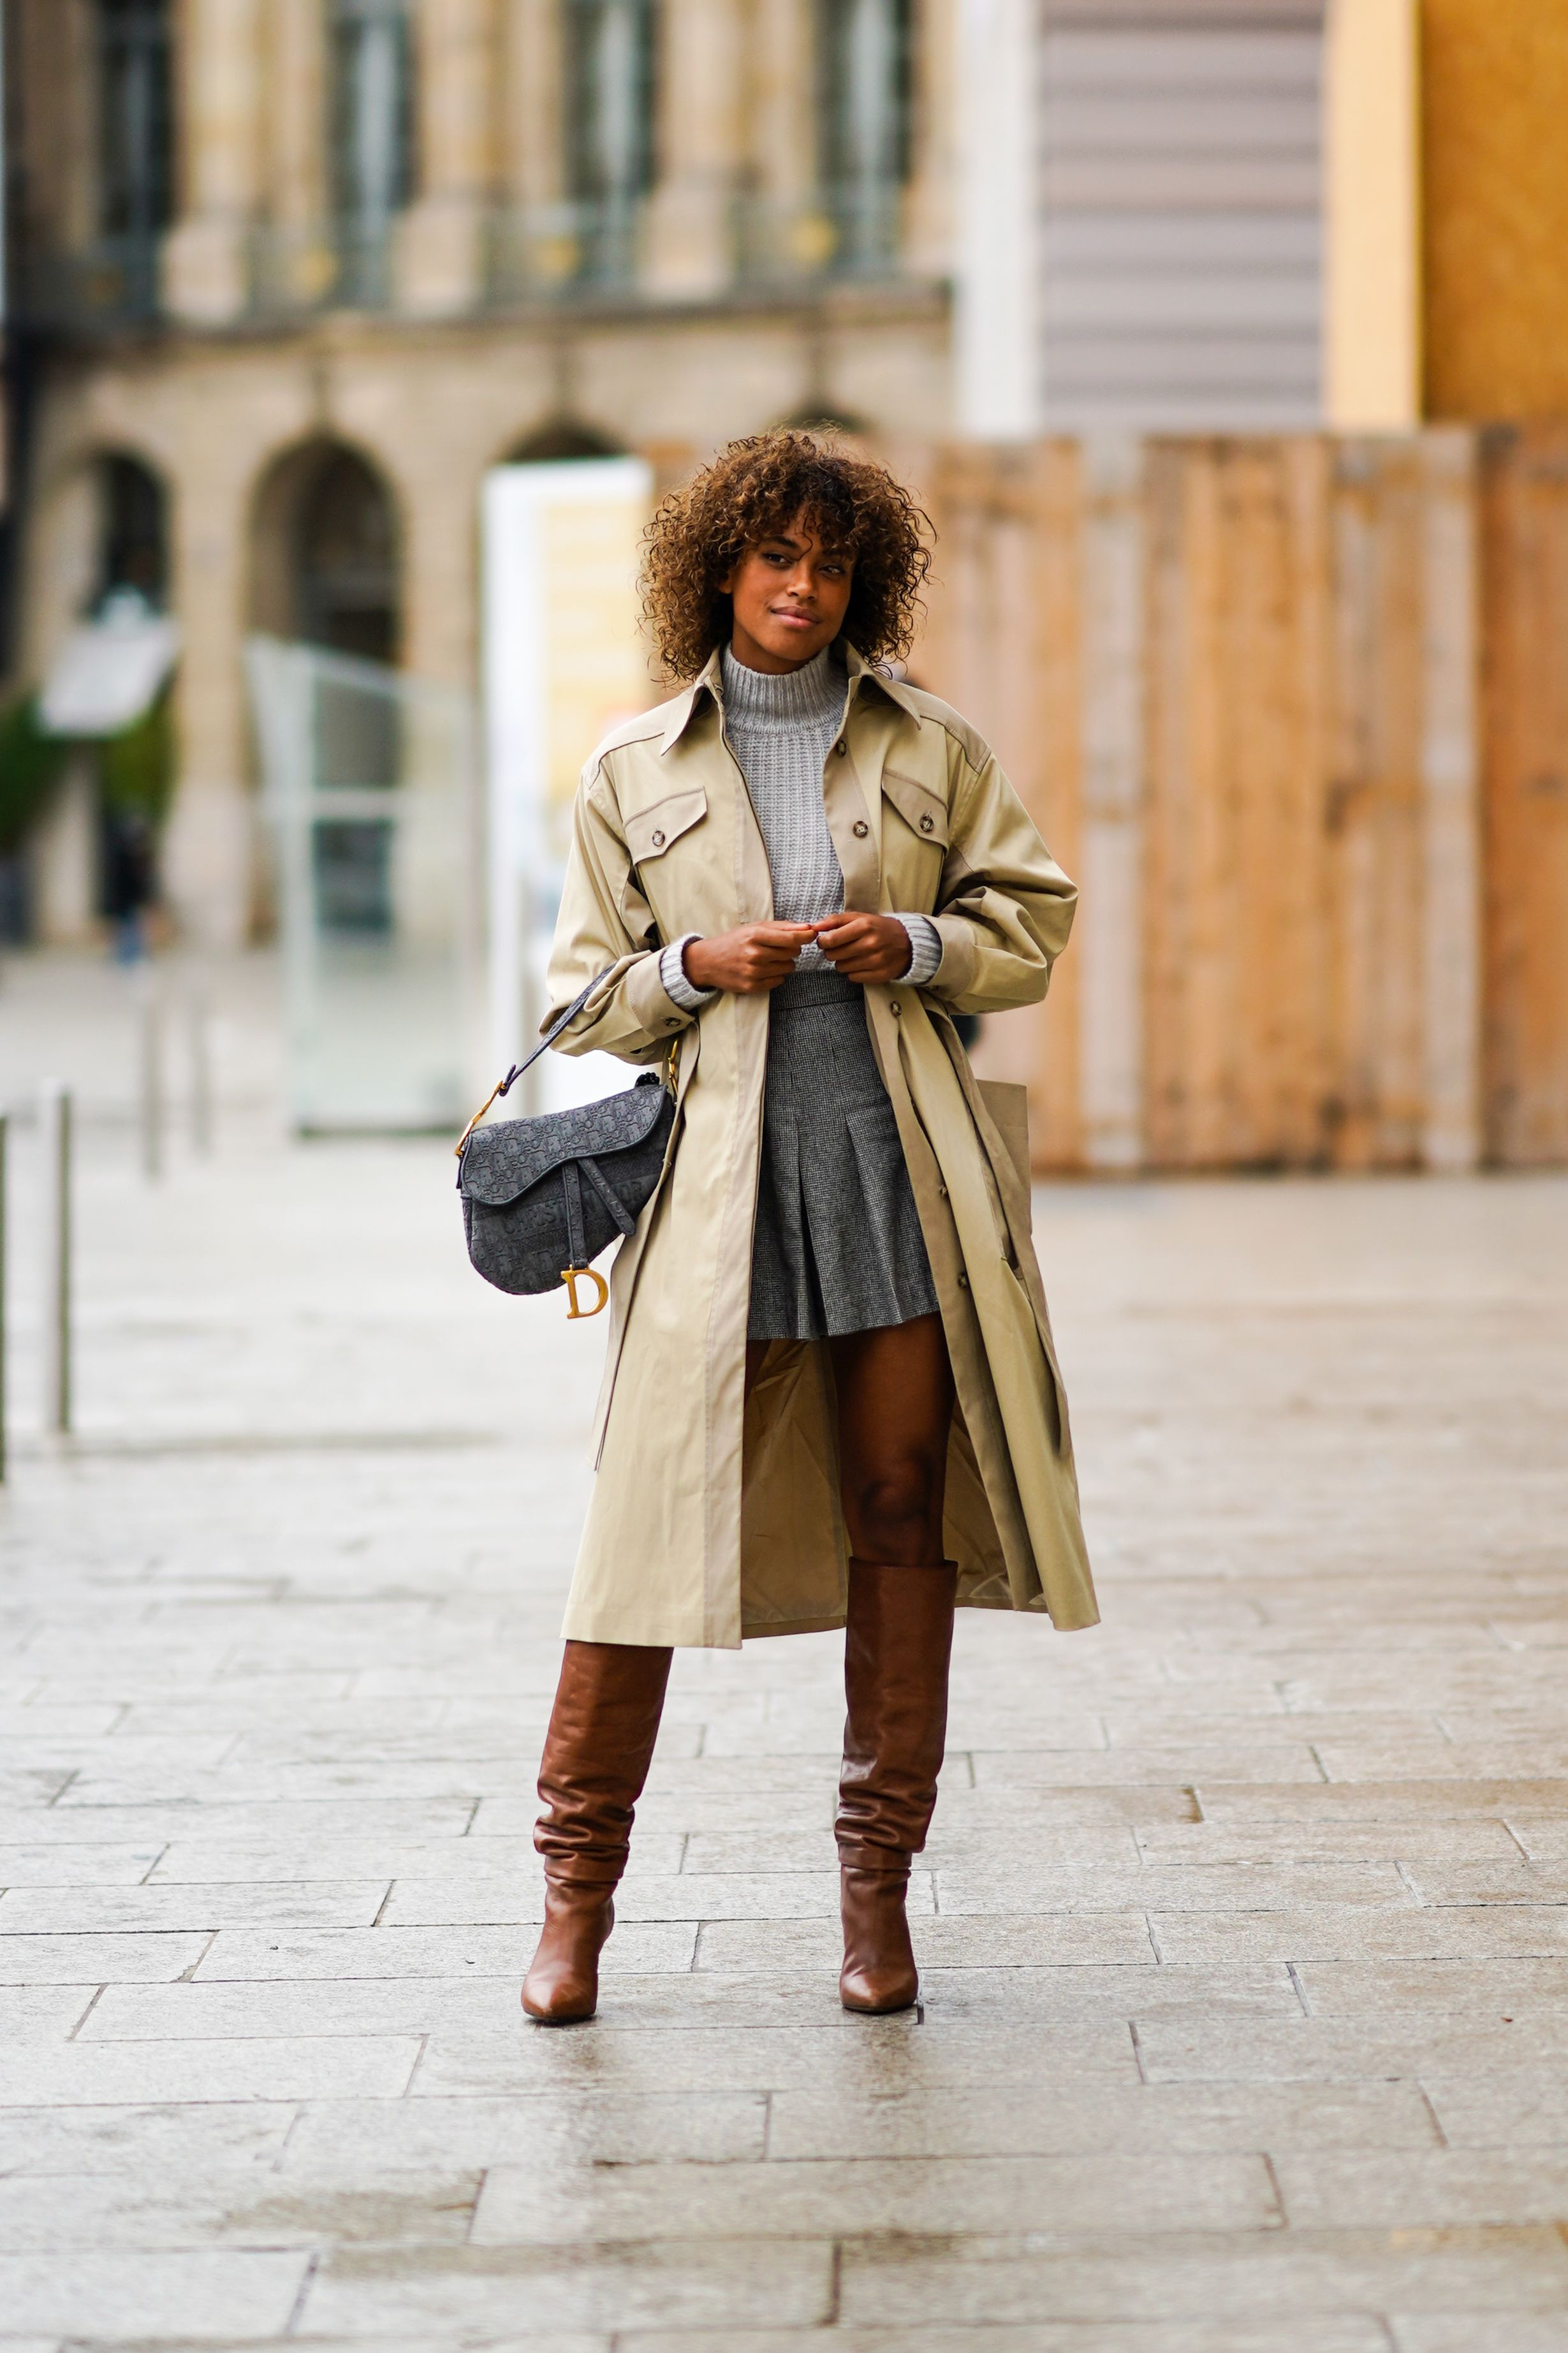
{"x": 1294, "y": 712}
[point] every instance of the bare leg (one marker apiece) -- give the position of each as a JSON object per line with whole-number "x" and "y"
{"x": 895, "y": 1407}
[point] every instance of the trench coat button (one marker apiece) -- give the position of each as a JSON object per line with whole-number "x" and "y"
{"x": 842, "y": 748}
{"x": 964, "y": 1282}
{"x": 659, "y": 841}
{"x": 897, "y": 1008}
{"x": 859, "y": 828}
{"x": 928, "y": 825}
{"x": 941, "y": 1192}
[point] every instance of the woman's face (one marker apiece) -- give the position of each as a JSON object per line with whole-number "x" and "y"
{"x": 790, "y": 596}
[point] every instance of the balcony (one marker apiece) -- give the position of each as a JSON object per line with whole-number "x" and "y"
{"x": 547, "y": 256}
{"x": 114, "y": 283}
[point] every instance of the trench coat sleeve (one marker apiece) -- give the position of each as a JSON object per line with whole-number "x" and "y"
{"x": 605, "y": 921}
{"x": 1003, "y": 908}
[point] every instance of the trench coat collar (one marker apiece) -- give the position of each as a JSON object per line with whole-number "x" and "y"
{"x": 710, "y": 679}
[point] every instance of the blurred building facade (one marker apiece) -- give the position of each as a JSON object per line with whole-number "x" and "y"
{"x": 289, "y": 275}
{"x": 294, "y": 274}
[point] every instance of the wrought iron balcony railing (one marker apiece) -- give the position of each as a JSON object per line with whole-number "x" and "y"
{"x": 549, "y": 254}
{"x": 114, "y": 282}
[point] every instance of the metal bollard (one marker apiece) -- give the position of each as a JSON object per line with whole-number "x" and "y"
{"x": 55, "y": 1129}
{"x": 151, "y": 1105}
{"x": 3, "y": 1138}
{"x": 200, "y": 1077}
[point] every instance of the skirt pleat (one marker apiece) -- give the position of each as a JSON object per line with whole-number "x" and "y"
{"x": 838, "y": 1245}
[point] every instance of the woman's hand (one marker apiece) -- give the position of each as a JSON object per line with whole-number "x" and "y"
{"x": 865, "y": 947}
{"x": 750, "y": 960}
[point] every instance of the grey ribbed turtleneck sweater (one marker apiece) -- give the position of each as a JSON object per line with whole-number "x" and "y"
{"x": 780, "y": 728}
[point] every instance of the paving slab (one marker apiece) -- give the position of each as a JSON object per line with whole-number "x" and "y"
{"x": 1242, "y": 1920}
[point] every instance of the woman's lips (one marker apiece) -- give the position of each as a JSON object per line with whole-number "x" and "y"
{"x": 796, "y": 620}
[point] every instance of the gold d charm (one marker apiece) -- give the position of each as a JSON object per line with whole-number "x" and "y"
{"x": 572, "y": 1276}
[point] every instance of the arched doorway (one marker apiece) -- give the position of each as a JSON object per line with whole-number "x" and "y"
{"x": 132, "y": 533}
{"x": 326, "y": 553}
{"x": 326, "y": 571}
{"x": 563, "y": 437}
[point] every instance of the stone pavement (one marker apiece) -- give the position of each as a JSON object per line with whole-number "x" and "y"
{"x": 1245, "y": 1922}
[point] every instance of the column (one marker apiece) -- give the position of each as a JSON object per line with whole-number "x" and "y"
{"x": 209, "y": 845}
{"x": 788, "y": 232}
{"x": 691, "y": 212}
{"x": 928, "y": 240}
{"x": 296, "y": 242}
{"x": 1108, "y": 934}
{"x": 1372, "y": 217}
{"x": 536, "y": 246}
{"x": 441, "y": 238}
{"x": 997, "y": 258}
{"x": 218, "y": 80}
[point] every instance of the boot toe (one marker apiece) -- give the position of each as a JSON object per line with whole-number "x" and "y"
{"x": 558, "y": 2002}
{"x": 876, "y": 1994}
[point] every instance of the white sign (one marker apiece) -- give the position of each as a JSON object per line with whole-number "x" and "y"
{"x": 565, "y": 661}
{"x": 106, "y": 674}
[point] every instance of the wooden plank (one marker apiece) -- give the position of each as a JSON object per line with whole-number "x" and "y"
{"x": 1375, "y": 810}
{"x": 1001, "y": 642}
{"x": 1235, "y": 1002}
{"x": 1451, "y": 793}
{"x": 1524, "y": 605}
{"x": 1111, "y": 931}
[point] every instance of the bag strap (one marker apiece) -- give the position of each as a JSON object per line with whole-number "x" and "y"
{"x": 528, "y": 1061}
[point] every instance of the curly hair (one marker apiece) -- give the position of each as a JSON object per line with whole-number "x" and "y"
{"x": 755, "y": 490}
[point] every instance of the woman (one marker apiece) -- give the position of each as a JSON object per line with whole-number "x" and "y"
{"x": 830, "y": 1396}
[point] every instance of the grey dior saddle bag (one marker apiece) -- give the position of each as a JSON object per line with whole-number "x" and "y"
{"x": 542, "y": 1198}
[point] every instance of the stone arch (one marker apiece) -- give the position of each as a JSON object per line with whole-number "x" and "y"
{"x": 326, "y": 551}
{"x": 563, "y": 437}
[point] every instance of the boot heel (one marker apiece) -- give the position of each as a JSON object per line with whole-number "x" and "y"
{"x": 879, "y": 1974}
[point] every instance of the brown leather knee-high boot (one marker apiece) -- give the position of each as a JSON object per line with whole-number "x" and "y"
{"x": 596, "y": 1756}
{"x": 898, "y": 1641}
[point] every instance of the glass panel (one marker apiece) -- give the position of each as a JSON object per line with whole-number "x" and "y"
{"x": 864, "y": 46}
{"x": 371, "y": 785}
{"x": 371, "y": 139}
{"x": 610, "y": 70}
{"x": 135, "y": 181}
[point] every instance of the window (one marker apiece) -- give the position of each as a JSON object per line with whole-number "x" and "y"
{"x": 610, "y": 85}
{"x": 372, "y": 135}
{"x": 864, "y": 51}
{"x": 135, "y": 177}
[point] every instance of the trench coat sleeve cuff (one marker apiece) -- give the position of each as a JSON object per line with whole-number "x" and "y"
{"x": 672, "y": 973}
{"x": 925, "y": 949}
{"x": 648, "y": 1001}
{"x": 954, "y": 975}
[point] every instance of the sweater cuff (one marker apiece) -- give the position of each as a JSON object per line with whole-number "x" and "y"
{"x": 925, "y": 950}
{"x": 672, "y": 973}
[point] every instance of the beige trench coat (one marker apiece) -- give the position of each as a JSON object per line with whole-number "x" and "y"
{"x": 714, "y": 1517}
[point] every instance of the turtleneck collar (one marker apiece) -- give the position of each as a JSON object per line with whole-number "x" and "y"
{"x": 783, "y": 697}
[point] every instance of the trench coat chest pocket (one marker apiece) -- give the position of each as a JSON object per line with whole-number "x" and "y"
{"x": 653, "y": 830}
{"x": 923, "y": 810}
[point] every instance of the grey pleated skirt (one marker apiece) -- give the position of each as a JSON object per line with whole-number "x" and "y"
{"x": 838, "y": 1245}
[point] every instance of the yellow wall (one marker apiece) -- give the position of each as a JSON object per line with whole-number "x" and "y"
{"x": 1495, "y": 167}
